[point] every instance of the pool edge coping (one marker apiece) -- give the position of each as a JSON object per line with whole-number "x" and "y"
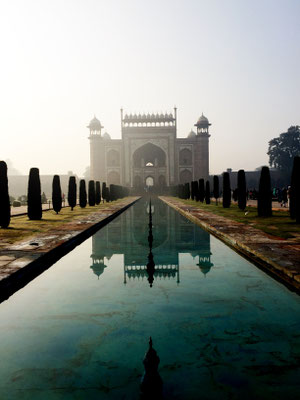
{"x": 274, "y": 269}
{"x": 44, "y": 260}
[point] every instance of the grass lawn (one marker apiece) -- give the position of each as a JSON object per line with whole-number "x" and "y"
{"x": 280, "y": 224}
{"x": 21, "y": 227}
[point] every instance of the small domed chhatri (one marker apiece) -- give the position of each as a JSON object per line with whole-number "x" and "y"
{"x": 203, "y": 120}
{"x": 106, "y": 136}
{"x": 192, "y": 134}
{"x": 95, "y": 125}
{"x": 202, "y": 125}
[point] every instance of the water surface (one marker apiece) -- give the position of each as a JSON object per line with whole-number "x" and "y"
{"x": 222, "y": 327}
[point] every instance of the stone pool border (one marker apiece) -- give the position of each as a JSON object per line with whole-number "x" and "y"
{"x": 279, "y": 257}
{"x": 23, "y": 261}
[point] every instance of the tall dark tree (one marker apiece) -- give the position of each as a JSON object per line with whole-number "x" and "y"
{"x": 56, "y": 194}
{"x": 207, "y": 192}
{"x": 283, "y": 149}
{"x": 107, "y": 194}
{"x": 193, "y": 190}
{"x": 201, "y": 190}
{"x": 216, "y": 188}
{"x": 226, "y": 190}
{"x": 187, "y": 191}
{"x": 34, "y": 200}
{"x": 92, "y": 194}
{"x": 98, "y": 193}
{"x": 295, "y": 191}
{"x": 104, "y": 191}
{"x": 82, "y": 194}
{"x": 264, "y": 201}
{"x": 72, "y": 192}
{"x": 4, "y": 197}
{"x": 196, "y": 190}
{"x": 242, "y": 190}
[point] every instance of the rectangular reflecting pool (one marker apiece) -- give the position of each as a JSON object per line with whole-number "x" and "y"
{"x": 222, "y": 328}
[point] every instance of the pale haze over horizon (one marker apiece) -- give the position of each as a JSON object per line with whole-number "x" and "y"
{"x": 236, "y": 61}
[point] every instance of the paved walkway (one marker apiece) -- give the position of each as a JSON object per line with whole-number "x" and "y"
{"x": 280, "y": 257}
{"x": 24, "y": 260}
{"x": 23, "y": 209}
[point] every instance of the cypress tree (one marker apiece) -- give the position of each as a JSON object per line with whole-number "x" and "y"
{"x": 216, "y": 188}
{"x": 187, "y": 191}
{"x": 34, "y": 200}
{"x": 242, "y": 190}
{"x": 98, "y": 193}
{"x": 82, "y": 194}
{"x": 4, "y": 197}
{"x": 107, "y": 194}
{"x": 56, "y": 194}
{"x": 193, "y": 190}
{"x": 201, "y": 190}
{"x": 207, "y": 192}
{"x": 72, "y": 192}
{"x": 91, "y": 194}
{"x": 196, "y": 189}
{"x": 226, "y": 190}
{"x": 103, "y": 191}
{"x": 295, "y": 191}
{"x": 264, "y": 201}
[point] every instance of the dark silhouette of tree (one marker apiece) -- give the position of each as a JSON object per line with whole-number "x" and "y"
{"x": 196, "y": 191}
{"x": 193, "y": 190}
{"x": 226, "y": 190}
{"x": 201, "y": 190}
{"x": 107, "y": 194}
{"x": 283, "y": 149}
{"x": 216, "y": 188}
{"x": 34, "y": 209}
{"x": 295, "y": 191}
{"x": 56, "y": 194}
{"x": 91, "y": 193}
{"x": 98, "y": 193}
{"x": 242, "y": 190}
{"x": 82, "y": 194}
{"x": 103, "y": 191}
{"x": 4, "y": 196}
{"x": 207, "y": 192}
{"x": 264, "y": 201}
{"x": 72, "y": 192}
{"x": 187, "y": 192}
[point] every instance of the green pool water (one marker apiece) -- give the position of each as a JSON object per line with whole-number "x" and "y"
{"x": 223, "y": 329}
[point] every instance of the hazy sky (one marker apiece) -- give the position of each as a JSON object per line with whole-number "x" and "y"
{"x": 237, "y": 61}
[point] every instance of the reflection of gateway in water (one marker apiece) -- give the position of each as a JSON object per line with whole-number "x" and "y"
{"x": 161, "y": 271}
{"x": 173, "y": 235}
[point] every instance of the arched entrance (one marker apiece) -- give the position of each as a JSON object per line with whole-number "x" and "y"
{"x": 149, "y": 181}
{"x": 149, "y": 154}
{"x": 150, "y": 163}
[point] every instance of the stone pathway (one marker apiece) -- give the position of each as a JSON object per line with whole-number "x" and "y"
{"x": 280, "y": 257}
{"x": 24, "y": 260}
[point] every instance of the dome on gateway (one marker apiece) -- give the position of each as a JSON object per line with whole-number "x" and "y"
{"x": 106, "y": 136}
{"x": 192, "y": 134}
{"x": 95, "y": 124}
{"x": 202, "y": 120}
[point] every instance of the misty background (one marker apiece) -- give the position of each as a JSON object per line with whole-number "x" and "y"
{"x": 236, "y": 61}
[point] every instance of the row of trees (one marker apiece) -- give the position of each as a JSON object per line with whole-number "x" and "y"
{"x": 93, "y": 196}
{"x": 200, "y": 191}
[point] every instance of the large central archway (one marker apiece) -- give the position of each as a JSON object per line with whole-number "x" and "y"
{"x": 149, "y": 181}
{"x": 149, "y": 154}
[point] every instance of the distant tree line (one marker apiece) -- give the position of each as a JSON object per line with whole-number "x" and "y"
{"x": 200, "y": 191}
{"x": 93, "y": 197}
